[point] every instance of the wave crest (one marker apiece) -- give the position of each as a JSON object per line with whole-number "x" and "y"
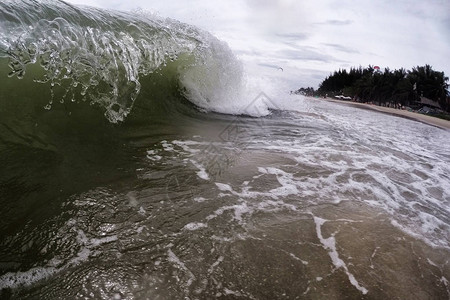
{"x": 87, "y": 54}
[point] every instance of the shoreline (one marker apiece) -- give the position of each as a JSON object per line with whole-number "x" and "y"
{"x": 429, "y": 120}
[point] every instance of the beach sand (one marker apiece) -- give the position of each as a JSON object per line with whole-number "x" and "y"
{"x": 433, "y": 121}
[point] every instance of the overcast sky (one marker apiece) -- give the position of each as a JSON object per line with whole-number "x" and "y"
{"x": 311, "y": 38}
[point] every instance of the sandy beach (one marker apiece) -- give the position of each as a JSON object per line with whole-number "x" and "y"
{"x": 433, "y": 121}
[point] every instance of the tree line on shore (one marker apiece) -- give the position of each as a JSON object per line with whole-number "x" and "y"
{"x": 393, "y": 87}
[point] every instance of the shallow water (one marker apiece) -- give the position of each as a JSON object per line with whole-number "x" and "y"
{"x": 306, "y": 205}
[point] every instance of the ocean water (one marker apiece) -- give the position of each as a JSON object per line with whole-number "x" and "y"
{"x": 138, "y": 160}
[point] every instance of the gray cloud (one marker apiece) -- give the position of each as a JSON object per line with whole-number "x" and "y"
{"x": 336, "y": 22}
{"x": 299, "y": 36}
{"x": 292, "y": 39}
{"x": 269, "y": 65}
{"x": 341, "y": 48}
{"x": 305, "y": 55}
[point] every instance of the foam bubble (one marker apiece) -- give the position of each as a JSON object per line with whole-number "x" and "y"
{"x": 17, "y": 279}
{"x": 202, "y": 174}
{"x": 195, "y": 226}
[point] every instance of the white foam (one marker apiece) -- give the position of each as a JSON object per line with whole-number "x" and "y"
{"x": 95, "y": 242}
{"x": 388, "y": 176}
{"x": 330, "y": 245}
{"x": 239, "y": 211}
{"x": 202, "y": 174}
{"x": 194, "y": 226}
{"x": 215, "y": 264}
{"x": 17, "y": 279}
{"x": 26, "y": 278}
{"x": 167, "y": 146}
{"x": 171, "y": 257}
{"x": 224, "y": 187}
{"x": 286, "y": 180}
{"x": 87, "y": 247}
{"x": 154, "y": 157}
{"x": 406, "y": 174}
{"x": 444, "y": 280}
{"x": 187, "y": 151}
{"x": 199, "y": 199}
{"x": 297, "y": 258}
{"x": 231, "y": 292}
{"x": 142, "y": 211}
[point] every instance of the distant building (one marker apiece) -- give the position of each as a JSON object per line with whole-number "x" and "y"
{"x": 430, "y": 103}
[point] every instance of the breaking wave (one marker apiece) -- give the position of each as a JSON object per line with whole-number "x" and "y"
{"x": 108, "y": 58}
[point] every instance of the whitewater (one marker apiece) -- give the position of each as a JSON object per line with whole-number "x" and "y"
{"x": 140, "y": 160}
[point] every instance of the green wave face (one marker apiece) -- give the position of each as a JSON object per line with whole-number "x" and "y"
{"x": 82, "y": 90}
{"x": 106, "y": 58}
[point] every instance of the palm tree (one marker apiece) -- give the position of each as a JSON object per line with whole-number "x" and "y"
{"x": 398, "y": 86}
{"x": 431, "y": 84}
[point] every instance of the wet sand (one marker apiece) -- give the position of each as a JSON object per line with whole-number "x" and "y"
{"x": 433, "y": 121}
